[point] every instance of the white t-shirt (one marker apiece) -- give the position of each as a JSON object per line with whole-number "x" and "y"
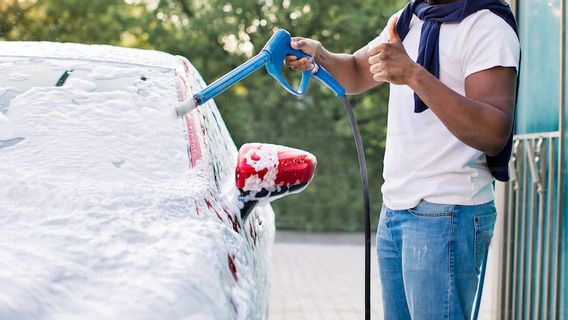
{"x": 423, "y": 159}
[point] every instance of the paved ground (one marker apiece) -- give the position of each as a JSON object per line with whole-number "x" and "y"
{"x": 320, "y": 276}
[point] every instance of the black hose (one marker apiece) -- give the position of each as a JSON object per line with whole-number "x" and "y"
{"x": 366, "y": 204}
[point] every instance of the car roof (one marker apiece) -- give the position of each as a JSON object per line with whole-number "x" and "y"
{"x": 92, "y": 52}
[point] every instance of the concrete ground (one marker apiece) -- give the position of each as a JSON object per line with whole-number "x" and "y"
{"x": 321, "y": 276}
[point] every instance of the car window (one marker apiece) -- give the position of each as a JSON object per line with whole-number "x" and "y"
{"x": 220, "y": 145}
{"x": 23, "y": 75}
{"x": 90, "y": 120}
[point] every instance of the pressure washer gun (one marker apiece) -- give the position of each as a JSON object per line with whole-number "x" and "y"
{"x": 272, "y": 56}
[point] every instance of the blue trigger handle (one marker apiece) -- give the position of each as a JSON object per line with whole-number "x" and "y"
{"x": 272, "y": 56}
{"x": 278, "y": 47}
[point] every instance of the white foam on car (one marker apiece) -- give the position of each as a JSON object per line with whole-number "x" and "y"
{"x": 265, "y": 158}
{"x": 18, "y": 76}
{"x": 98, "y": 210}
{"x": 80, "y": 84}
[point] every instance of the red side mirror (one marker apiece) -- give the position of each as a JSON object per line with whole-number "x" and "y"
{"x": 266, "y": 172}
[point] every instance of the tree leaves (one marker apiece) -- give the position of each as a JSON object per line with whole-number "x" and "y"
{"x": 220, "y": 35}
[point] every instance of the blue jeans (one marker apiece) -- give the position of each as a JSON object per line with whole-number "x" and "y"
{"x": 430, "y": 259}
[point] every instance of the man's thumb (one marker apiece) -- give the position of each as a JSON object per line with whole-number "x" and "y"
{"x": 393, "y": 34}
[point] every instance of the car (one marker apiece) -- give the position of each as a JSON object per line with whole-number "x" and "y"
{"x": 111, "y": 207}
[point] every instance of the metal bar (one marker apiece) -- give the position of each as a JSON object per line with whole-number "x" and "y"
{"x": 556, "y": 263}
{"x": 529, "y": 206}
{"x": 544, "y": 135}
{"x": 556, "y": 259}
{"x": 522, "y": 239}
{"x": 535, "y": 178}
{"x": 561, "y": 113}
{"x": 528, "y": 246}
{"x": 561, "y": 137}
{"x": 515, "y": 275}
{"x": 508, "y": 247}
{"x": 539, "y": 249}
{"x": 525, "y": 214}
{"x": 509, "y": 236}
{"x": 549, "y": 225}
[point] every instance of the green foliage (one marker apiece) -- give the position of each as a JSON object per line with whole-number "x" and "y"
{"x": 218, "y": 36}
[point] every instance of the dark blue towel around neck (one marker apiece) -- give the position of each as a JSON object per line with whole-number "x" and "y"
{"x": 428, "y": 55}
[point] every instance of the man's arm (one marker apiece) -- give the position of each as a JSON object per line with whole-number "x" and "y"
{"x": 350, "y": 70}
{"x": 482, "y": 119}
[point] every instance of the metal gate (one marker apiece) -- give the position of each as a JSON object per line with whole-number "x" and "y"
{"x": 530, "y": 287}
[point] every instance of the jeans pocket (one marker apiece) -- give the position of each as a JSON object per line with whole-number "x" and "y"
{"x": 483, "y": 232}
{"x": 433, "y": 210}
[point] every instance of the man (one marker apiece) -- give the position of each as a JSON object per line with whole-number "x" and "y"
{"x": 449, "y": 115}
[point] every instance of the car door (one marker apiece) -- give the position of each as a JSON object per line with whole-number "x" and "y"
{"x": 210, "y": 142}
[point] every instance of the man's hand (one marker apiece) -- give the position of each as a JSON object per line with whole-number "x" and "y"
{"x": 350, "y": 70}
{"x": 390, "y": 62}
{"x": 308, "y": 46}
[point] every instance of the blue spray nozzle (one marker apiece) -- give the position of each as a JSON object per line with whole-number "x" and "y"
{"x": 272, "y": 57}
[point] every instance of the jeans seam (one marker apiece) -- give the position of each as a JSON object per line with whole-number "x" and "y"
{"x": 431, "y": 215}
{"x": 475, "y": 239}
{"x": 387, "y": 218}
{"x": 451, "y": 266}
{"x": 438, "y": 214}
{"x": 476, "y": 252}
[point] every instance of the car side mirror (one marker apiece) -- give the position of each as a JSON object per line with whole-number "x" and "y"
{"x": 266, "y": 172}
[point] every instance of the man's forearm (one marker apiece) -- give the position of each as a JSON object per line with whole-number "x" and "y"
{"x": 344, "y": 68}
{"x": 478, "y": 124}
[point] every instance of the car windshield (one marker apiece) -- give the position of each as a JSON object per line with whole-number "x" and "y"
{"x": 72, "y": 120}
{"x": 24, "y": 75}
